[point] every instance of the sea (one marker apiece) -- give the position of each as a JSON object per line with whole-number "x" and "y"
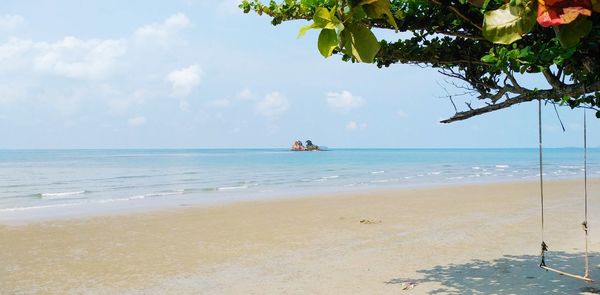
{"x": 62, "y": 183}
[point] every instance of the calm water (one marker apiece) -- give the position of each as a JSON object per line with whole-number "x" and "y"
{"x": 34, "y": 182}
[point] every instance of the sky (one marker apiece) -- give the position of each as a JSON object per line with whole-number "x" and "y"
{"x": 201, "y": 74}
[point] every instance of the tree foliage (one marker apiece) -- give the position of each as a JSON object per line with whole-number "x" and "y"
{"x": 489, "y": 45}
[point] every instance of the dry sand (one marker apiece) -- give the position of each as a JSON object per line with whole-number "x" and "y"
{"x": 475, "y": 239}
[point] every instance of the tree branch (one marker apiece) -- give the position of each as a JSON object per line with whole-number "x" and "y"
{"x": 554, "y": 81}
{"x": 573, "y": 90}
{"x": 490, "y": 108}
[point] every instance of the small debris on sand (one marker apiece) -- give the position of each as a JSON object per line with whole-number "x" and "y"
{"x": 408, "y": 285}
{"x": 370, "y": 221}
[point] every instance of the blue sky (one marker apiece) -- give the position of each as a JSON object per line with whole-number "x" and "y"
{"x": 199, "y": 74}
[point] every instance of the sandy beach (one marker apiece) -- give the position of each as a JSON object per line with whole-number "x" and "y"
{"x": 470, "y": 239}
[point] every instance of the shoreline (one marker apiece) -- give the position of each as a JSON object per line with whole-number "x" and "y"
{"x": 142, "y": 206}
{"x": 460, "y": 239}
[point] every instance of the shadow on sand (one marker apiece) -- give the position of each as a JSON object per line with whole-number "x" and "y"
{"x": 511, "y": 275}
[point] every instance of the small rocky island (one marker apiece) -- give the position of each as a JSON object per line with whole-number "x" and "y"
{"x": 299, "y": 147}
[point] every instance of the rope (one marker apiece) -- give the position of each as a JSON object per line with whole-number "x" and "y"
{"x": 585, "y": 194}
{"x": 585, "y": 276}
{"x": 544, "y": 246}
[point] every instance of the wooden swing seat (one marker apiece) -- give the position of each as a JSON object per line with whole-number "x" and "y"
{"x": 562, "y": 273}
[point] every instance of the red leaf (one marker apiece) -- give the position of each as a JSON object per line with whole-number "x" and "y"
{"x": 560, "y": 12}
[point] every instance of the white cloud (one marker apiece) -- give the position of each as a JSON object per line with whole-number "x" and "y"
{"x": 185, "y": 80}
{"x": 14, "y": 47}
{"x": 344, "y": 100}
{"x": 9, "y": 22}
{"x": 220, "y": 103}
{"x": 136, "y": 121}
{"x": 76, "y": 58}
{"x": 70, "y": 57}
{"x": 245, "y": 95}
{"x": 272, "y": 105}
{"x": 352, "y": 125}
{"x": 163, "y": 32}
{"x": 114, "y": 67}
{"x": 73, "y": 57}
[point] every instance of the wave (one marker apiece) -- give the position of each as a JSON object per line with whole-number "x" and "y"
{"x": 569, "y": 167}
{"x": 230, "y": 188}
{"x": 143, "y": 196}
{"x": 502, "y": 166}
{"x": 378, "y": 172}
{"x": 61, "y": 195}
{"x": 13, "y": 209}
{"x": 158, "y": 194}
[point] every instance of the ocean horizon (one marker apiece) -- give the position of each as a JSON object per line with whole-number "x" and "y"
{"x": 64, "y": 182}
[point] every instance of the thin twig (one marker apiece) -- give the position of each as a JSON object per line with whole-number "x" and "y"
{"x": 460, "y": 14}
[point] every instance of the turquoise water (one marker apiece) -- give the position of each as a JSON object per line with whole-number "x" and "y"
{"x": 74, "y": 181}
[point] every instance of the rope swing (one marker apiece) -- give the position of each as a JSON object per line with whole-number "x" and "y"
{"x": 543, "y": 265}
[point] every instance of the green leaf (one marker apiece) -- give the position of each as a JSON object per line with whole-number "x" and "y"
{"x": 570, "y": 34}
{"x": 358, "y": 13}
{"x": 325, "y": 19}
{"x": 328, "y": 41}
{"x": 322, "y": 19}
{"x": 508, "y": 24}
{"x": 304, "y": 29}
{"x": 360, "y": 43}
{"x": 379, "y": 9}
{"x": 489, "y": 58}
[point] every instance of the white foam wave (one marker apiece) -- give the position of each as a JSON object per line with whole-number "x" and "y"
{"x": 140, "y": 197}
{"x": 162, "y": 194}
{"x": 569, "y": 167}
{"x": 378, "y": 172}
{"x": 118, "y": 200}
{"x": 61, "y": 195}
{"x": 324, "y": 178}
{"x": 502, "y": 166}
{"x": 37, "y": 207}
{"x": 230, "y": 188}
